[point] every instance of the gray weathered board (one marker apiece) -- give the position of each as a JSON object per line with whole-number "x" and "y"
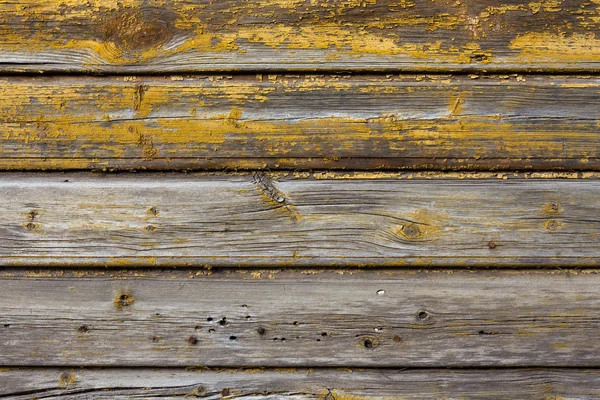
{"x": 310, "y": 318}
{"x": 298, "y": 384}
{"x": 295, "y": 220}
{"x": 196, "y": 35}
{"x": 300, "y": 121}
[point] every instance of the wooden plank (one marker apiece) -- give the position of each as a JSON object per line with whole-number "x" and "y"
{"x": 292, "y": 219}
{"x": 441, "y": 122}
{"x": 312, "y": 318}
{"x": 194, "y": 35}
{"x": 321, "y": 384}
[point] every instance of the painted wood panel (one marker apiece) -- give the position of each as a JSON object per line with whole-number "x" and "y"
{"x": 193, "y": 35}
{"x": 306, "y": 318}
{"x": 298, "y": 219}
{"x": 296, "y": 384}
{"x": 301, "y": 121}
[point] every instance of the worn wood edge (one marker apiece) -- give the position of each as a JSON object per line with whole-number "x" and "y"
{"x": 298, "y": 383}
{"x": 226, "y": 318}
{"x": 246, "y": 122}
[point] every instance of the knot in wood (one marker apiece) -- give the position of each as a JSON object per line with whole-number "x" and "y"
{"x": 412, "y": 231}
{"x": 136, "y": 29}
{"x": 552, "y": 225}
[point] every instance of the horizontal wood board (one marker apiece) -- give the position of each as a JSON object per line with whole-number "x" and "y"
{"x": 296, "y": 384}
{"x": 193, "y": 35}
{"x": 310, "y": 318}
{"x": 269, "y": 121}
{"x": 298, "y": 219}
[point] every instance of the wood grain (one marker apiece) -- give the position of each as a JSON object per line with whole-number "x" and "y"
{"x": 321, "y": 384}
{"x": 293, "y": 219}
{"x": 306, "y": 318}
{"x": 194, "y": 35}
{"x": 307, "y": 121}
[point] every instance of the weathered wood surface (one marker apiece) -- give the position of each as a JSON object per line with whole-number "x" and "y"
{"x": 299, "y": 319}
{"x": 194, "y": 35}
{"x": 269, "y": 121}
{"x": 296, "y": 384}
{"x": 293, "y": 219}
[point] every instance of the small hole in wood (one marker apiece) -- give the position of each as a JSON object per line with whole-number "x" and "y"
{"x": 232, "y": 337}
{"x": 211, "y": 331}
{"x": 83, "y": 329}
{"x": 223, "y": 321}
{"x": 422, "y": 315}
{"x": 261, "y": 331}
{"x": 381, "y": 292}
{"x": 368, "y": 343}
{"x": 209, "y": 319}
{"x": 192, "y": 340}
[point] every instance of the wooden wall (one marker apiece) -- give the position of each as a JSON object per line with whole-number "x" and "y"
{"x": 299, "y": 199}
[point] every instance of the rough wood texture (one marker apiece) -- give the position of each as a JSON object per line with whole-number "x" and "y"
{"x": 321, "y": 384}
{"x": 194, "y": 35}
{"x": 299, "y": 319}
{"x": 282, "y": 219}
{"x": 270, "y": 121}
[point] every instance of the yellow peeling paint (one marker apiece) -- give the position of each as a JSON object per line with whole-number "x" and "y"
{"x": 544, "y": 47}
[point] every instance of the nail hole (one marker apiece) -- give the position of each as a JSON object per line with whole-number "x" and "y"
{"x": 223, "y": 321}
{"x": 232, "y": 337}
{"x": 324, "y": 334}
{"x": 422, "y": 315}
{"x": 261, "y": 331}
{"x": 248, "y": 316}
{"x": 209, "y": 319}
{"x": 492, "y": 245}
{"x": 192, "y": 340}
{"x": 368, "y": 344}
{"x": 123, "y": 300}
